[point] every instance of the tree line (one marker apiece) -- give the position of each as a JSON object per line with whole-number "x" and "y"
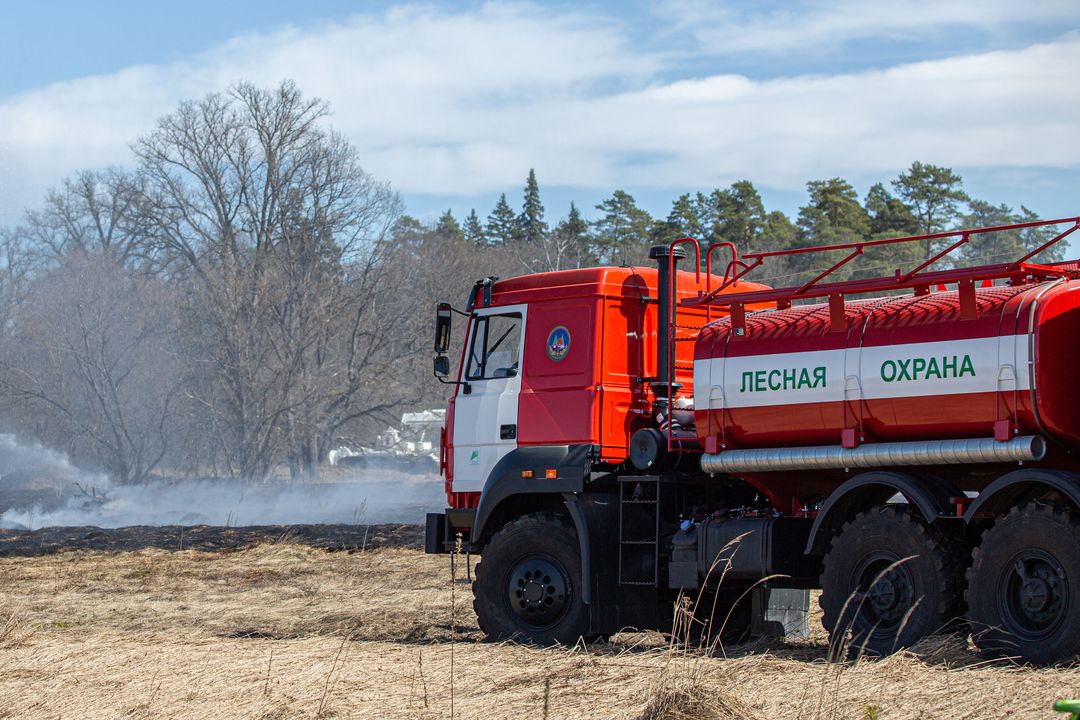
{"x": 244, "y": 296}
{"x": 923, "y": 200}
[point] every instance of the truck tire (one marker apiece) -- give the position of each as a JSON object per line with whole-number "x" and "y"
{"x": 1023, "y": 589}
{"x": 884, "y": 601}
{"x": 526, "y": 585}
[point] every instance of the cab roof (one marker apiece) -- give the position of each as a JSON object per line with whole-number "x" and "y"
{"x": 597, "y": 282}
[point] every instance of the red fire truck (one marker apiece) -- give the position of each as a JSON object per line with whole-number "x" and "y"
{"x": 907, "y": 443}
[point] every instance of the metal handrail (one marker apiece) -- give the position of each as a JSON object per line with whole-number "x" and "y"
{"x": 917, "y": 277}
{"x": 673, "y": 287}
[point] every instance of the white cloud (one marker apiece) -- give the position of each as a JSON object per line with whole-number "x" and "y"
{"x": 826, "y": 26}
{"x": 425, "y": 95}
{"x": 1003, "y": 109}
{"x": 464, "y": 103}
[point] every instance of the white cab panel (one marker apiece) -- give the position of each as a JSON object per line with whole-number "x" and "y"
{"x": 484, "y": 417}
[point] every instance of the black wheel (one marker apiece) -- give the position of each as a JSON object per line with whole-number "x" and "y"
{"x": 527, "y": 580}
{"x": 1024, "y": 586}
{"x": 889, "y": 580}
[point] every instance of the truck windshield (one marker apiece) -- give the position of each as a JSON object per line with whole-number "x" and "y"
{"x": 493, "y": 352}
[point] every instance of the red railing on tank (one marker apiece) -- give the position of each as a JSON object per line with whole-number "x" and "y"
{"x": 920, "y": 278}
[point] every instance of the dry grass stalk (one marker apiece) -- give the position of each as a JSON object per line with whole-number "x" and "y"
{"x": 13, "y": 633}
{"x": 458, "y": 541}
{"x": 687, "y": 697}
{"x": 329, "y": 676}
{"x": 423, "y": 681}
{"x": 269, "y": 664}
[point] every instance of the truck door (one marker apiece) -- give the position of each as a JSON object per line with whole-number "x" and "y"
{"x": 486, "y": 417}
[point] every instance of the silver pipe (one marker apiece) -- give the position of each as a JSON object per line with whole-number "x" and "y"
{"x": 921, "y": 452}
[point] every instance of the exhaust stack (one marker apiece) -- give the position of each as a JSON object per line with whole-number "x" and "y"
{"x": 666, "y": 259}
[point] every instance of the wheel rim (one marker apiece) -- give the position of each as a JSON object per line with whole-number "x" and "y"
{"x": 885, "y": 591}
{"x": 538, "y": 592}
{"x": 1034, "y": 595}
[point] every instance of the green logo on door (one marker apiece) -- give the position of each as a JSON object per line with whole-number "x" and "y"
{"x": 558, "y": 343}
{"x": 474, "y": 457}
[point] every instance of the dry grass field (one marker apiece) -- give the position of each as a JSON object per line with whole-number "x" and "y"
{"x": 289, "y": 631}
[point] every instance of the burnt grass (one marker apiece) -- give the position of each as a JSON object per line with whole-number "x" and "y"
{"x": 50, "y": 540}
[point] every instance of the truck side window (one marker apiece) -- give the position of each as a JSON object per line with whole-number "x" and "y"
{"x": 493, "y": 352}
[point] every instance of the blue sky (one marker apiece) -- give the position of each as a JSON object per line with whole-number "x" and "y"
{"x": 454, "y": 102}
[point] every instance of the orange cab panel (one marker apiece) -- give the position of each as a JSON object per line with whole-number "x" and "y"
{"x": 558, "y": 404}
{"x": 590, "y": 343}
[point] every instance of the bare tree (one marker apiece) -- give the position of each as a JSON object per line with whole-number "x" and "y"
{"x": 274, "y": 230}
{"x": 92, "y": 364}
{"x": 258, "y": 269}
{"x": 92, "y": 212}
{"x": 16, "y": 265}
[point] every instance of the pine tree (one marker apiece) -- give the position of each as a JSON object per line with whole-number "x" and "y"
{"x": 574, "y": 225}
{"x": 833, "y": 216}
{"x": 566, "y": 246}
{"x": 623, "y": 230}
{"x": 531, "y": 226}
{"x": 571, "y": 237}
{"x": 1006, "y": 245}
{"x": 473, "y": 230}
{"x": 448, "y": 227}
{"x": 735, "y": 214}
{"x": 740, "y": 217}
{"x": 934, "y": 196}
{"x": 889, "y": 216}
{"x": 682, "y": 221}
{"x": 407, "y": 230}
{"x": 779, "y": 231}
{"x": 1035, "y": 237}
{"x": 501, "y": 226}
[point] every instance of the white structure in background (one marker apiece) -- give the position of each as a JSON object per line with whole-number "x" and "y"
{"x": 418, "y": 433}
{"x": 412, "y": 446}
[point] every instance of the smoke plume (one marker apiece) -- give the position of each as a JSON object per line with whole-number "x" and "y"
{"x": 40, "y": 487}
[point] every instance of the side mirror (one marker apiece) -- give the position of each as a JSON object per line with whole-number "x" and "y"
{"x": 442, "y": 366}
{"x": 442, "y": 329}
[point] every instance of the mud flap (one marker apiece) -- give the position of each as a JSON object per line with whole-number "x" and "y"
{"x": 611, "y": 608}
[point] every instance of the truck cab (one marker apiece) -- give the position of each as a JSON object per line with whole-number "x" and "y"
{"x": 560, "y": 386}
{"x": 560, "y": 360}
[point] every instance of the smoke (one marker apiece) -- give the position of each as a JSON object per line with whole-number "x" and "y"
{"x": 22, "y": 459}
{"x": 40, "y": 487}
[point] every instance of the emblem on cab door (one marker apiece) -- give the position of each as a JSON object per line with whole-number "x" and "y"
{"x": 474, "y": 457}
{"x": 558, "y": 343}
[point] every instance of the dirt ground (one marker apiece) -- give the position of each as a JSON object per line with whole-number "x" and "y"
{"x": 46, "y": 541}
{"x": 283, "y": 630}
